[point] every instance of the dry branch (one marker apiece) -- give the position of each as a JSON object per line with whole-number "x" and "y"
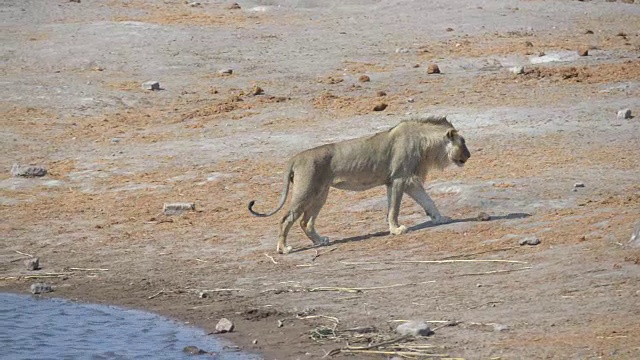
{"x": 322, "y": 253}
{"x": 85, "y": 269}
{"x": 156, "y": 294}
{"x": 496, "y": 271}
{"x": 25, "y": 254}
{"x": 432, "y": 261}
{"x": 398, "y": 353}
{"x": 360, "y": 289}
{"x": 332, "y": 318}
{"x": 377, "y": 345}
{"x": 271, "y": 258}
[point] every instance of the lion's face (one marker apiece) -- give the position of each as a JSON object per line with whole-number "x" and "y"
{"x": 457, "y": 148}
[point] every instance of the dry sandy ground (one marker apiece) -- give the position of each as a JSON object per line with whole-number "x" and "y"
{"x": 71, "y": 101}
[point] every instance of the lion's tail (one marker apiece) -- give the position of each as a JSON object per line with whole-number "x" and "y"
{"x": 288, "y": 178}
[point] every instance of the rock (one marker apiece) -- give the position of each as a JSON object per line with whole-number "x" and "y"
{"x": 194, "y": 4}
{"x": 414, "y": 328}
{"x": 255, "y": 341}
{"x": 588, "y": 32}
{"x": 115, "y": 140}
{"x": 280, "y": 323}
{"x": 75, "y": 1}
{"x": 402, "y": 51}
{"x": 410, "y": 100}
{"x": 234, "y": 6}
{"x": 381, "y": 93}
{"x": 224, "y": 326}
{"x": 483, "y": 216}
{"x": 500, "y": 327}
{"x": 151, "y": 85}
{"x": 41, "y": 288}
{"x": 203, "y": 294}
{"x": 528, "y": 44}
{"x": 380, "y": 107}
{"x": 449, "y": 29}
{"x": 256, "y": 90}
{"x": 533, "y": 240}
{"x": 415, "y": 66}
{"x": 364, "y": 78}
{"x": 635, "y": 236}
{"x": 433, "y": 69}
{"x": 27, "y": 171}
{"x": 225, "y": 71}
{"x": 583, "y": 51}
{"x": 517, "y": 70}
{"x": 193, "y": 350}
{"x": 32, "y": 264}
{"x": 624, "y": 114}
{"x": 177, "y": 208}
{"x": 578, "y": 185}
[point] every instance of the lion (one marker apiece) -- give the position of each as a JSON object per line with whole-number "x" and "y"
{"x": 399, "y": 158}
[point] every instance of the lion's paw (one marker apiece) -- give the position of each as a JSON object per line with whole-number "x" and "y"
{"x": 441, "y": 220}
{"x": 399, "y": 230}
{"x": 287, "y": 249}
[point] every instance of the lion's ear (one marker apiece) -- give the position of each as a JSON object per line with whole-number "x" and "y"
{"x": 452, "y": 133}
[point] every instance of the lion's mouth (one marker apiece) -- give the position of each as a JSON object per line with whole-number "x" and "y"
{"x": 459, "y": 162}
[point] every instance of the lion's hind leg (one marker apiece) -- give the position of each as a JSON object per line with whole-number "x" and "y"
{"x": 287, "y": 221}
{"x": 307, "y": 223}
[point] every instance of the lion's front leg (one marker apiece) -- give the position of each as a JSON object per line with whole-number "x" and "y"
{"x": 417, "y": 193}
{"x": 394, "y": 197}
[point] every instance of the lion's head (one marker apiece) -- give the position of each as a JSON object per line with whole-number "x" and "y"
{"x": 457, "y": 148}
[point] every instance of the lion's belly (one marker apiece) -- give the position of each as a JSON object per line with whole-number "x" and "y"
{"x": 356, "y": 184}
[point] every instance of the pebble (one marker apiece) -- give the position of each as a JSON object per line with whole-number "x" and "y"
{"x": 193, "y": 350}
{"x": 528, "y": 44}
{"x": 433, "y": 69}
{"x": 583, "y": 51}
{"x": 413, "y": 328}
{"x": 234, "y": 6}
{"x": 381, "y": 93}
{"x": 410, "y": 100}
{"x": 224, "y": 325}
{"x": 483, "y": 216}
{"x": 194, "y": 4}
{"x": 255, "y": 341}
{"x": 151, "y": 85}
{"x": 578, "y": 185}
{"x": 500, "y": 327}
{"x": 402, "y": 51}
{"x": 624, "y": 114}
{"x": 529, "y": 241}
{"x": 635, "y": 236}
{"x": 177, "y": 208}
{"x": 40, "y": 288}
{"x": 364, "y": 78}
{"x": 225, "y": 71}
{"x": 115, "y": 140}
{"x": 256, "y": 90}
{"x": 32, "y": 264}
{"x": 380, "y": 107}
{"x": 517, "y": 70}
{"x": 27, "y": 171}
{"x": 280, "y": 323}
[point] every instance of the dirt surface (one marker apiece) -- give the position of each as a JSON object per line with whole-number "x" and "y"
{"x": 72, "y": 102}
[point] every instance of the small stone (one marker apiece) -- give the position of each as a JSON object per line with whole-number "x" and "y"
{"x": 225, "y": 71}
{"x": 194, "y": 4}
{"x": 203, "y": 294}
{"x": 433, "y": 69}
{"x": 380, "y": 107}
{"x": 410, "y": 100}
{"x": 177, "y": 208}
{"x": 193, "y": 350}
{"x": 483, "y": 216}
{"x": 364, "y": 78}
{"x": 541, "y": 53}
{"x": 583, "y": 51}
{"x": 402, "y": 51}
{"x": 588, "y": 32}
{"x": 151, "y": 85}
{"x": 415, "y": 66}
{"x": 224, "y": 326}
{"x": 234, "y": 6}
{"x": 40, "y": 288}
{"x": 32, "y": 264}
{"x": 517, "y": 70}
{"x": 280, "y": 323}
{"x": 500, "y": 327}
{"x": 449, "y": 29}
{"x": 413, "y": 328}
{"x": 529, "y": 241}
{"x": 578, "y": 185}
{"x": 528, "y": 44}
{"x": 27, "y": 171}
{"x": 115, "y": 140}
{"x": 381, "y": 93}
{"x": 256, "y": 90}
{"x": 75, "y": 1}
{"x": 624, "y": 114}
{"x": 255, "y": 341}
{"x": 635, "y": 236}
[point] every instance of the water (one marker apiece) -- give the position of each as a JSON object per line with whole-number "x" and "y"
{"x": 40, "y": 328}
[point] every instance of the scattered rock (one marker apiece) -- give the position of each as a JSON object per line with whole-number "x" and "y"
{"x": 628, "y": 1}
{"x": 225, "y": 71}
{"x": 32, "y": 264}
{"x": 402, "y": 51}
{"x": 635, "y": 236}
{"x": 364, "y": 78}
{"x": 415, "y": 66}
{"x": 624, "y": 114}
{"x": 115, "y": 140}
{"x": 578, "y": 185}
{"x": 533, "y": 240}
{"x": 380, "y": 107}
{"x": 41, "y": 288}
{"x": 413, "y": 328}
{"x": 433, "y": 69}
{"x": 500, "y": 327}
{"x": 381, "y": 93}
{"x": 528, "y": 44}
{"x": 27, "y": 171}
{"x": 177, "y": 208}
{"x": 224, "y": 326}
{"x": 203, "y": 294}
{"x": 75, "y": 1}
{"x": 280, "y": 323}
{"x": 193, "y": 350}
{"x": 255, "y": 341}
{"x": 588, "y": 32}
{"x": 583, "y": 51}
{"x": 449, "y": 29}
{"x": 234, "y": 6}
{"x": 483, "y": 216}
{"x": 410, "y": 100}
{"x": 256, "y": 90}
{"x": 194, "y": 4}
{"x": 541, "y": 53}
{"x": 151, "y": 85}
{"x": 517, "y": 70}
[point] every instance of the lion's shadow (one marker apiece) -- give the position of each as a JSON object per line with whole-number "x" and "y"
{"x": 424, "y": 225}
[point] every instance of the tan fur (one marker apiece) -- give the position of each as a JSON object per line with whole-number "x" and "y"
{"x": 399, "y": 158}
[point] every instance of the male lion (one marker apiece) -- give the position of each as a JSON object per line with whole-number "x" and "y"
{"x": 398, "y": 158}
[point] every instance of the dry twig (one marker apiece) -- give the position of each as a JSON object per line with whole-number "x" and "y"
{"x": 496, "y": 271}
{"x": 360, "y": 289}
{"x": 431, "y": 261}
{"x": 271, "y": 258}
{"x": 398, "y": 353}
{"x": 156, "y": 294}
{"x": 25, "y": 254}
{"x": 322, "y": 253}
{"x": 332, "y": 318}
{"x": 84, "y": 269}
